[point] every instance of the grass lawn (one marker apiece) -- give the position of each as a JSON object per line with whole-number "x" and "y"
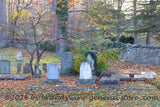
{"x": 11, "y": 90}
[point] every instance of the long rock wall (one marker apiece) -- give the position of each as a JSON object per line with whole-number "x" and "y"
{"x": 145, "y": 54}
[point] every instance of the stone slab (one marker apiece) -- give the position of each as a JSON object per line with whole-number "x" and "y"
{"x": 37, "y": 76}
{"x": 86, "y": 81}
{"x": 3, "y": 76}
{"x": 132, "y": 73}
{"x": 112, "y": 81}
{"x": 148, "y": 73}
{"x": 17, "y": 77}
{"x": 54, "y": 81}
{"x": 107, "y": 73}
{"x": 64, "y": 87}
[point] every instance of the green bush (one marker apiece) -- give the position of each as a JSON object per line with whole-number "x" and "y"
{"x": 118, "y": 45}
{"x": 124, "y": 39}
{"x": 102, "y": 58}
{"x": 49, "y": 44}
{"x": 130, "y": 40}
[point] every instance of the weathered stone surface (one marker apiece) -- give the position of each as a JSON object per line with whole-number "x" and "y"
{"x": 1, "y": 57}
{"x": 85, "y": 70}
{"x": 66, "y": 63}
{"x": 18, "y": 68}
{"x": 148, "y": 73}
{"x": 145, "y": 54}
{"x": 112, "y": 81}
{"x": 86, "y": 74}
{"x": 25, "y": 69}
{"x": 91, "y": 57}
{"x": 91, "y": 80}
{"x": 123, "y": 77}
{"x": 45, "y": 67}
{"x": 53, "y": 73}
{"x": 107, "y": 73}
{"x": 28, "y": 67}
{"x": 17, "y": 77}
{"x": 54, "y": 81}
{"x": 132, "y": 73}
{"x": 4, "y": 67}
{"x": 4, "y": 76}
{"x": 64, "y": 87}
{"x": 37, "y": 71}
{"x": 19, "y": 56}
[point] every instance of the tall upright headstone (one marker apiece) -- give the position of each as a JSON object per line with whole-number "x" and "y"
{"x": 37, "y": 71}
{"x": 86, "y": 74}
{"x": 1, "y": 57}
{"x": 18, "y": 68}
{"x": 4, "y": 67}
{"x": 92, "y": 59}
{"x": 45, "y": 67}
{"x": 66, "y": 63}
{"x": 19, "y": 56}
{"x": 28, "y": 67}
{"x": 53, "y": 73}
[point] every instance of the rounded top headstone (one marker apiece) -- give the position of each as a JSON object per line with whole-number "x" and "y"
{"x": 19, "y": 56}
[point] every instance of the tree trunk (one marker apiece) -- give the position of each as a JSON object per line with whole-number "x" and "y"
{"x": 148, "y": 38}
{"x": 135, "y": 21}
{"x": 31, "y": 68}
{"x": 53, "y": 19}
{"x": 119, "y": 19}
{"x": 60, "y": 43}
{"x": 3, "y": 19}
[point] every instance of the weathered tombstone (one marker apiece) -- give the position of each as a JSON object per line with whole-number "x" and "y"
{"x": 45, "y": 67}
{"x": 112, "y": 81}
{"x": 18, "y": 68}
{"x": 66, "y": 63}
{"x": 92, "y": 59}
{"x": 25, "y": 69}
{"x": 4, "y": 67}
{"x": 1, "y": 57}
{"x": 53, "y": 73}
{"x": 86, "y": 74}
{"x": 37, "y": 71}
{"x": 19, "y": 56}
{"x": 28, "y": 67}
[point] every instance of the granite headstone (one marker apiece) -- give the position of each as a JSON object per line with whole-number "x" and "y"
{"x": 4, "y": 67}
{"x": 53, "y": 73}
{"x": 66, "y": 63}
{"x": 86, "y": 74}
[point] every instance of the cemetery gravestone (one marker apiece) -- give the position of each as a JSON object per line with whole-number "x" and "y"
{"x": 19, "y": 56}
{"x": 53, "y": 73}
{"x": 86, "y": 74}
{"x": 37, "y": 71}
{"x": 28, "y": 67}
{"x": 25, "y": 69}
{"x": 18, "y": 68}
{"x": 1, "y": 57}
{"x": 45, "y": 67}
{"x": 66, "y": 63}
{"x": 4, "y": 67}
{"x": 92, "y": 59}
{"x": 112, "y": 81}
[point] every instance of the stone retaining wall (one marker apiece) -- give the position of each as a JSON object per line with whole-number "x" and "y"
{"x": 145, "y": 54}
{"x": 20, "y": 44}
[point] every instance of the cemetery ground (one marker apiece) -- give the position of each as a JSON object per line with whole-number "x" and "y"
{"x": 12, "y": 90}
